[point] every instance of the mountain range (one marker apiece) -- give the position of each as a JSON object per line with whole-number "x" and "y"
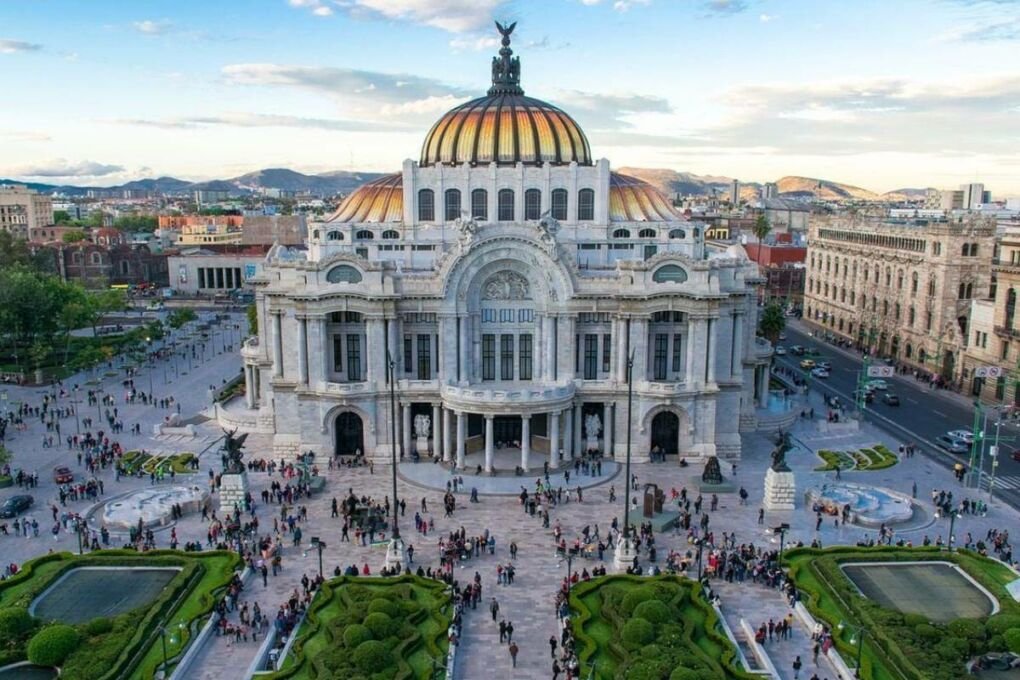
{"x": 669, "y": 182}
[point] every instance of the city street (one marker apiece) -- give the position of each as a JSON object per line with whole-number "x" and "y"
{"x": 924, "y": 413}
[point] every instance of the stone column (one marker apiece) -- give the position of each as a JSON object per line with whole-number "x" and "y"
{"x": 711, "y": 330}
{"x": 249, "y": 387}
{"x": 549, "y": 353}
{"x": 690, "y": 368}
{"x": 302, "y": 350}
{"x": 448, "y": 349}
{"x": 701, "y": 350}
{"x": 554, "y": 439}
{"x": 639, "y": 345}
{"x": 763, "y": 385}
{"x": 568, "y": 434}
{"x": 464, "y": 374}
{"x": 392, "y": 347}
{"x": 565, "y": 349}
{"x": 461, "y": 438}
{"x": 406, "y": 429}
{"x": 437, "y": 440}
{"x": 525, "y": 441}
{"x": 277, "y": 345}
{"x": 488, "y": 442}
{"x": 607, "y": 435}
{"x": 447, "y": 442}
{"x": 578, "y": 430}
{"x": 375, "y": 333}
{"x": 319, "y": 368}
{"x": 737, "y": 369}
{"x": 621, "y": 350}
{"x": 257, "y": 381}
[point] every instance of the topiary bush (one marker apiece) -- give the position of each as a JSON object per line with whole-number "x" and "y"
{"x": 637, "y": 633}
{"x": 98, "y": 626}
{"x": 926, "y": 631}
{"x": 52, "y": 644}
{"x": 381, "y": 625}
{"x": 15, "y": 622}
{"x": 635, "y": 597}
{"x": 1012, "y": 638}
{"x": 372, "y": 656}
{"x": 968, "y": 629}
{"x": 654, "y": 611}
{"x": 387, "y": 607}
{"x": 355, "y": 634}
{"x": 1000, "y": 623}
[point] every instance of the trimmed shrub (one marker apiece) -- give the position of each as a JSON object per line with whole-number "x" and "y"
{"x": 952, "y": 648}
{"x": 381, "y": 625}
{"x": 15, "y": 622}
{"x": 52, "y": 644}
{"x": 635, "y": 597}
{"x": 997, "y": 643}
{"x": 387, "y": 607}
{"x": 654, "y": 611}
{"x": 926, "y": 631}
{"x": 372, "y": 656}
{"x": 968, "y": 629}
{"x": 98, "y": 626}
{"x": 915, "y": 619}
{"x": 685, "y": 674}
{"x": 637, "y": 633}
{"x": 1012, "y": 638}
{"x": 355, "y": 634}
{"x": 1000, "y": 623}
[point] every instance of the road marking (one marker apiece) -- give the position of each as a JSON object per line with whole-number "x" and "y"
{"x": 912, "y": 401}
{"x": 938, "y": 413}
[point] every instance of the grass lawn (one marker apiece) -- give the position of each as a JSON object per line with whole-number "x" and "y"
{"x": 877, "y": 457}
{"x": 650, "y": 628}
{"x": 897, "y": 645}
{"x": 364, "y": 626}
{"x": 124, "y": 645}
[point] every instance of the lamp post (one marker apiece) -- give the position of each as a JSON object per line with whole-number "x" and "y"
{"x": 318, "y": 543}
{"x": 148, "y": 350}
{"x": 700, "y": 542}
{"x": 623, "y": 548}
{"x": 857, "y": 634}
{"x": 395, "y": 550}
{"x": 570, "y": 564}
{"x": 953, "y": 514}
{"x": 781, "y": 530}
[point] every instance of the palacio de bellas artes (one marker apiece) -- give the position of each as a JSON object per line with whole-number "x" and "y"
{"x": 505, "y": 282}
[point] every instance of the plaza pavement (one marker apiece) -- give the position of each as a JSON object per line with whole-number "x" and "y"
{"x": 529, "y": 602}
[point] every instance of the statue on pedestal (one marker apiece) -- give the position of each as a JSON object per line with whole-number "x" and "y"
{"x": 779, "y": 453}
{"x": 232, "y": 453}
{"x": 712, "y": 473}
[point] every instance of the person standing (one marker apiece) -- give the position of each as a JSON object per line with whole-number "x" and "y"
{"x": 494, "y": 609}
{"x": 796, "y": 668}
{"x": 513, "y": 653}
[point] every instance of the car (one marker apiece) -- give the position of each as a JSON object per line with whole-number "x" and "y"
{"x": 807, "y": 363}
{"x": 880, "y": 385}
{"x": 869, "y": 396}
{"x": 797, "y": 350}
{"x": 820, "y": 372}
{"x": 827, "y": 365}
{"x": 952, "y": 444}
{"x": 965, "y": 435}
{"x": 780, "y": 351}
{"x": 812, "y": 351}
{"x": 1016, "y": 455}
{"x": 782, "y": 336}
{"x": 891, "y": 399}
{"x": 15, "y": 505}
{"x": 62, "y": 474}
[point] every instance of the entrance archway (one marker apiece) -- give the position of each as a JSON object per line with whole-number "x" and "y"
{"x": 350, "y": 434}
{"x": 666, "y": 432}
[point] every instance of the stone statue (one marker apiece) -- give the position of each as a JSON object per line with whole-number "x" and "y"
{"x": 422, "y": 426}
{"x": 592, "y": 426}
{"x": 232, "y": 446}
{"x": 712, "y": 473}
{"x": 467, "y": 227}
{"x": 779, "y": 453}
{"x": 548, "y": 227}
{"x": 506, "y": 285}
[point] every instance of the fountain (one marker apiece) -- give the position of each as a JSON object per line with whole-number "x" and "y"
{"x": 868, "y": 505}
{"x": 154, "y": 506}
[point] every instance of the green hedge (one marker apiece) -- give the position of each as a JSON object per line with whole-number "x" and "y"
{"x": 877, "y": 457}
{"x": 899, "y": 646}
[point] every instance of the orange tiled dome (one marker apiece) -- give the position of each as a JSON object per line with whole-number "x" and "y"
{"x": 381, "y": 200}
{"x": 634, "y": 200}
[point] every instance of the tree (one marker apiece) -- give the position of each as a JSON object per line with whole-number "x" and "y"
{"x": 61, "y": 217}
{"x": 762, "y": 228}
{"x": 147, "y": 223}
{"x": 772, "y": 322}
{"x": 73, "y": 236}
{"x": 5, "y": 456}
{"x": 253, "y": 319}
{"x": 180, "y": 317}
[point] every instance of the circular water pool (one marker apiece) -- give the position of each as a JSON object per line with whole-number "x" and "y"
{"x": 869, "y": 505}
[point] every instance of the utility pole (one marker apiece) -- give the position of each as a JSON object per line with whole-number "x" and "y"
{"x": 975, "y": 445}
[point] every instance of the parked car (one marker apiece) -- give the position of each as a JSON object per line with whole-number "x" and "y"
{"x": 878, "y": 385}
{"x": 965, "y": 435}
{"x": 807, "y": 363}
{"x": 62, "y": 474}
{"x": 797, "y": 350}
{"x": 869, "y": 396}
{"x": 827, "y": 365}
{"x": 15, "y": 505}
{"x": 891, "y": 399}
{"x": 1016, "y": 455}
{"x": 780, "y": 351}
{"x": 952, "y": 444}
{"x": 782, "y": 336}
{"x": 819, "y": 372}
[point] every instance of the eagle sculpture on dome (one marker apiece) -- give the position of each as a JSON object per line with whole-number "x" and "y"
{"x": 506, "y": 70}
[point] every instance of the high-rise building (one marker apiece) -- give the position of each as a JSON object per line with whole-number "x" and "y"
{"x": 22, "y": 209}
{"x": 973, "y": 195}
{"x": 735, "y": 192}
{"x": 769, "y": 190}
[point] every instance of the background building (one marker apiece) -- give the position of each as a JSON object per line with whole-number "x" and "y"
{"x": 782, "y": 267}
{"x": 902, "y": 288}
{"x": 22, "y": 209}
{"x": 214, "y": 269}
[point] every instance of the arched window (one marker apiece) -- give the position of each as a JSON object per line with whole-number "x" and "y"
{"x": 669, "y": 273}
{"x": 426, "y": 205}
{"x": 451, "y": 207}
{"x": 970, "y": 290}
{"x": 897, "y": 311}
{"x": 96, "y": 258}
{"x": 922, "y": 356}
{"x": 315, "y": 234}
{"x": 390, "y": 234}
{"x": 966, "y": 249}
{"x": 364, "y": 235}
{"x": 909, "y": 351}
{"x": 913, "y": 283}
{"x": 888, "y": 276}
{"x": 335, "y": 236}
{"x": 621, "y": 233}
{"x": 911, "y": 315}
{"x": 343, "y": 273}
{"x": 973, "y": 249}
{"x": 533, "y": 204}
{"x": 1010, "y": 308}
{"x": 931, "y": 287}
{"x": 677, "y": 233}
{"x": 646, "y": 233}
{"x": 505, "y": 206}
{"x": 76, "y": 258}
{"x": 961, "y": 293}
{"x": 899, "y": 279}
{"x": 559, "y": 204}
{"x": 480, "y": 204}
{"x": 586, "y": 204}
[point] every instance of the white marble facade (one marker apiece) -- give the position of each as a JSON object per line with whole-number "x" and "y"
{"x": 506, "y": 327}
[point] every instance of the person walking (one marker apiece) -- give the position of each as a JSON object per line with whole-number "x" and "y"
{"x": 796, "y": 668}
{"x": 494, "y": 609}
{"x": 513, "y": 653}
{"x": 552, "y": 646}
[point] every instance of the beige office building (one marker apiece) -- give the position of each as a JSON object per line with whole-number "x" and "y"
{"x": 901, "y": 287}
{"x": 22, "y": 209}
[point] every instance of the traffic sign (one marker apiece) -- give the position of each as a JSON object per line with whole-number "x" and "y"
{"x": 988, "y": 372}
{"x": 881, "y": 371}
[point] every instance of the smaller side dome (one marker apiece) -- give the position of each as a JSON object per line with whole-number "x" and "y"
{"x": 634, "y": 200}
{"x": 381, "y": 200}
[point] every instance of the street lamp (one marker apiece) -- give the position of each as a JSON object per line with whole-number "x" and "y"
{"x": 318, "y": 543}
{"x": 953, "y": 514}
{"x": 700, "y": 542}
{"x": 781, "y": 530}
{"x": 857, "y": 634}
{"x": 148, "y": 348}
{"x": 623, "y": 547}
{"x": 395, "y": 550}
{"x": 570, "y": 564}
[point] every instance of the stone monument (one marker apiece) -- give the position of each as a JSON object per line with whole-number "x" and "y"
{"x": 654, "y": 500}
{"x": 422, "y": 428}
{"x": 712, "y": 480}
{"x": 592, "y": 428}
{"x": 780, "y": 485}
{"x": 234, "y": 480}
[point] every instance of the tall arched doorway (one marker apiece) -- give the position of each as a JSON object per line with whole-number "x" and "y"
{"x": 666, "y": 432}
{"x": 350, "y": 434}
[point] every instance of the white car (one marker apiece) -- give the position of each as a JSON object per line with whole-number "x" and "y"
{"x": 878, "y": 385}
{"x": 820, "y": 372}
{"x": 965, "y": 435}
{"x": 780, "y": 351}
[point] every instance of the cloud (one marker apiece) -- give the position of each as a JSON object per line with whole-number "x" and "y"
{"x": 153, "y": 27}
{"x": 607, "y": 111}
{"x": 257, "y": 120}
{"x": 766, "y": 18}
{"x": 724, "y": 7}
{"x": 1004, "y": 30}
{"x": 26, "y": 135}
{"x": 62, "y": 168}
{"x": 474, "y": 42}
{"x": 15, "y": 46}
{"x": 624, "y": 5}
{"x": 453, "y": 16}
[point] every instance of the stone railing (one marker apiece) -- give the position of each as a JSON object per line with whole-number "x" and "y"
{"x": 531, "y": 399}
{"x": 762, "y": 348}
{"x": 349, "y": 387}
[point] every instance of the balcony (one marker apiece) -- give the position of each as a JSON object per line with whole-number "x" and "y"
{"x": 1004, "y": 332}
{"x": 513, "y": 400}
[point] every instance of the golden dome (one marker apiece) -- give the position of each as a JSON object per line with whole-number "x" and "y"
{"x": 381, "y": 200}
{"x": 505, "y": 126}
{"x": 634, "y": 200}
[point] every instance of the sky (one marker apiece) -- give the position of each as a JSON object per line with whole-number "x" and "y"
{"x": 882, "y": 94}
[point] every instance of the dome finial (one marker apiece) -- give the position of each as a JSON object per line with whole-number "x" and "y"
{"x": 506, "y": 70}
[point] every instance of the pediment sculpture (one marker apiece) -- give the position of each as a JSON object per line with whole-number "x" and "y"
{"x": 506, "y": 285}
